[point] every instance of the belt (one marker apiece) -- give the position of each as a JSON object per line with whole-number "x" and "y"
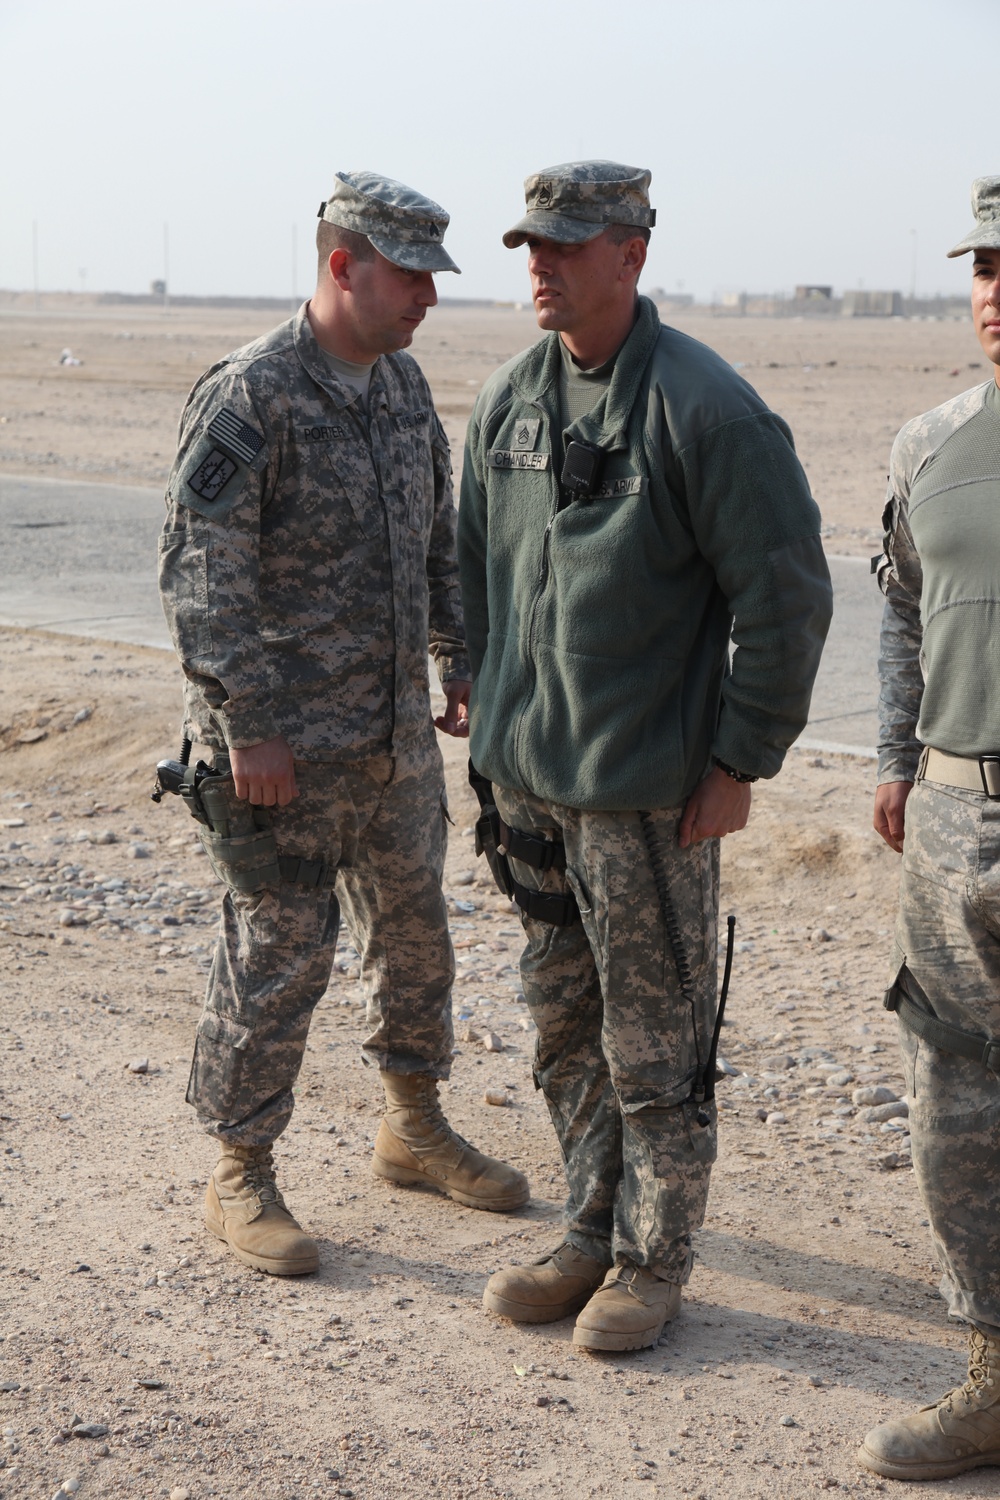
{"x": 970, "y": 773}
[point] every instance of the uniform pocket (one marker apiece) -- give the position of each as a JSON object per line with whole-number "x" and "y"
{"x": 216, "y": 1080}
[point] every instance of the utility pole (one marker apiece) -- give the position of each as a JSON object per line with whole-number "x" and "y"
{"x": 34, "y": 259}
{"x": 295, "y": 267}
{"x": 913, "y": 266}
{"x": 166, "y": 268}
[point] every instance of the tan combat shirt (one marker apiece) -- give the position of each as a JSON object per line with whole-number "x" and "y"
{"x": 307, "y": 562}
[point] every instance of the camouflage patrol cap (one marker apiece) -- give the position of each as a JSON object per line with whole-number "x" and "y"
{"x": 986, "y": 207}
{"x": 403, "y": 225}
{"x": 576, "y": 202}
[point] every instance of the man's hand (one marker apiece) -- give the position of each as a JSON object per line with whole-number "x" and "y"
{"x": 265, "y": 774}
{"x": 717, "y": 806}
{"x": 456, "y": 714}
{"x": 890, "y": 812}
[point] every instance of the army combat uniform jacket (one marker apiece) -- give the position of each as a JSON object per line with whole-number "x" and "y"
{"x": 308, "y": 558}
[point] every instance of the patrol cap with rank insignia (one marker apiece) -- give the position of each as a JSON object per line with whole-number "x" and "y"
{"x": 575, "y": 202}
{"x": 403, "y": 225}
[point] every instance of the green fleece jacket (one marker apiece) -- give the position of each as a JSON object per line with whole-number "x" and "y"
{"x": 599, "y": 630}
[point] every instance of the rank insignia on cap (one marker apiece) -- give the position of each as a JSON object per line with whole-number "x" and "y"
{"x": 526, "y": 433}
{"x": 235, "y": 435}
{"x": 544, "y": 196}
{"x": 433, "y": 231}
{"x": 212, "y": 475}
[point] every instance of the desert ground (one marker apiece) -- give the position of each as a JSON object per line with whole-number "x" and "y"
{"x": 138, "y": 1358}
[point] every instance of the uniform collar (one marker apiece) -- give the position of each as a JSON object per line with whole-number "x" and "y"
{"x": 538, "y": 373}
{"x": 318, "y": 368}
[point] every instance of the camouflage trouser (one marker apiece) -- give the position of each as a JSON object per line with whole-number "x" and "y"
{"x": 948, "y": 939}
{"x": 381, "y": 825}
{"x": 616, "y": 1051}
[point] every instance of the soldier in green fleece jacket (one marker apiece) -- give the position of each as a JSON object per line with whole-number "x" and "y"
{"x": 629, "y": 504}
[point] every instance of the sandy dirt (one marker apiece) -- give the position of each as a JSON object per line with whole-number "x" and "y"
{"x": 812, "y": 1312}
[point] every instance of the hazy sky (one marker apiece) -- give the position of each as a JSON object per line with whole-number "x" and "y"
{"x": 788, "y": 140}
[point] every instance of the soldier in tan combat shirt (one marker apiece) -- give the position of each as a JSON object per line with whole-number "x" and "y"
{"x": 307, "y": 566}
{"x": 938, "y": 805}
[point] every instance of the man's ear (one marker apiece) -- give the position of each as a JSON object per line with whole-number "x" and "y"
{"x": 339, "y": 265}
{"x": 633, "y": 257}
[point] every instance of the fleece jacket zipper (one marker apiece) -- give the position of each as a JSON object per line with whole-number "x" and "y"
{"x": 543, "y": 578}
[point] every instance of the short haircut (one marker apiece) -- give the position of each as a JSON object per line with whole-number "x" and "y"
{"x": 618, "y": 234}
{"x": 330, "y": 237}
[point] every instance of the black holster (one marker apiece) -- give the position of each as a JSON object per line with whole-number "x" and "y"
{"x": 237, "y": 835}
{"x": 920, "y": 1019}
{"x": 497, "y": 841}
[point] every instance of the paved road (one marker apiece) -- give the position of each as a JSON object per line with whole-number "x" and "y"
{"x": 81, "y": 558}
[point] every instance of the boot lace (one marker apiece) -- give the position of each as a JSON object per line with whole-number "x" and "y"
{"x": 982, "y": 1372}
{"x": 626, "y": 1276}
{"x": 258, "y": 1173}
{"x": 434, "y": 1115}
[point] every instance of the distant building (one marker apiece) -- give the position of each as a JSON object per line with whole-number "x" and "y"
{"x": 872, "y": 305}
{"x": 674, "y": 300}
{"x": 157, "y": 288}
{"x": 813, "y": 293}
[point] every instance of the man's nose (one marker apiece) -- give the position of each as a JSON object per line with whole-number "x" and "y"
{"x": 539, "y": 262}
{"x": 427, "y": 294}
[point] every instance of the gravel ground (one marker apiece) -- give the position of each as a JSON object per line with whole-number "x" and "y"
{"x": 139, "y": 1358}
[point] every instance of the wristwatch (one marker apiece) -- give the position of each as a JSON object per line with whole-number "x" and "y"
{"x": 740, "y": 776}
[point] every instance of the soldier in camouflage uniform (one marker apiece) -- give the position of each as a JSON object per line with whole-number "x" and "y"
{"x": 307, "y": 565}
{"x": 627, "y": 502}
{"x": 936, "y": 804}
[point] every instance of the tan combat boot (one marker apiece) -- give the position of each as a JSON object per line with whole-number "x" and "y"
{"x": 628, "y": 1311}
{"x": 244, "y": 1207}
{"x": 552, "y": 1288}
{"x": 416, "y": 1144}
{"x": 959, "y": 1432}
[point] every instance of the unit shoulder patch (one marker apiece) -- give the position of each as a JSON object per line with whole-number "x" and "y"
{"x": 236, "y": 436}
{"x": 212, "y": 475}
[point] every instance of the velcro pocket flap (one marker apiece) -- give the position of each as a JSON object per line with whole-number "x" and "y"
{"x": 218, "y": 1028}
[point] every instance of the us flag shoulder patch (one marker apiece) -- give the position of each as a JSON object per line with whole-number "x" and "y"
{"x": 236, "y": 435}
